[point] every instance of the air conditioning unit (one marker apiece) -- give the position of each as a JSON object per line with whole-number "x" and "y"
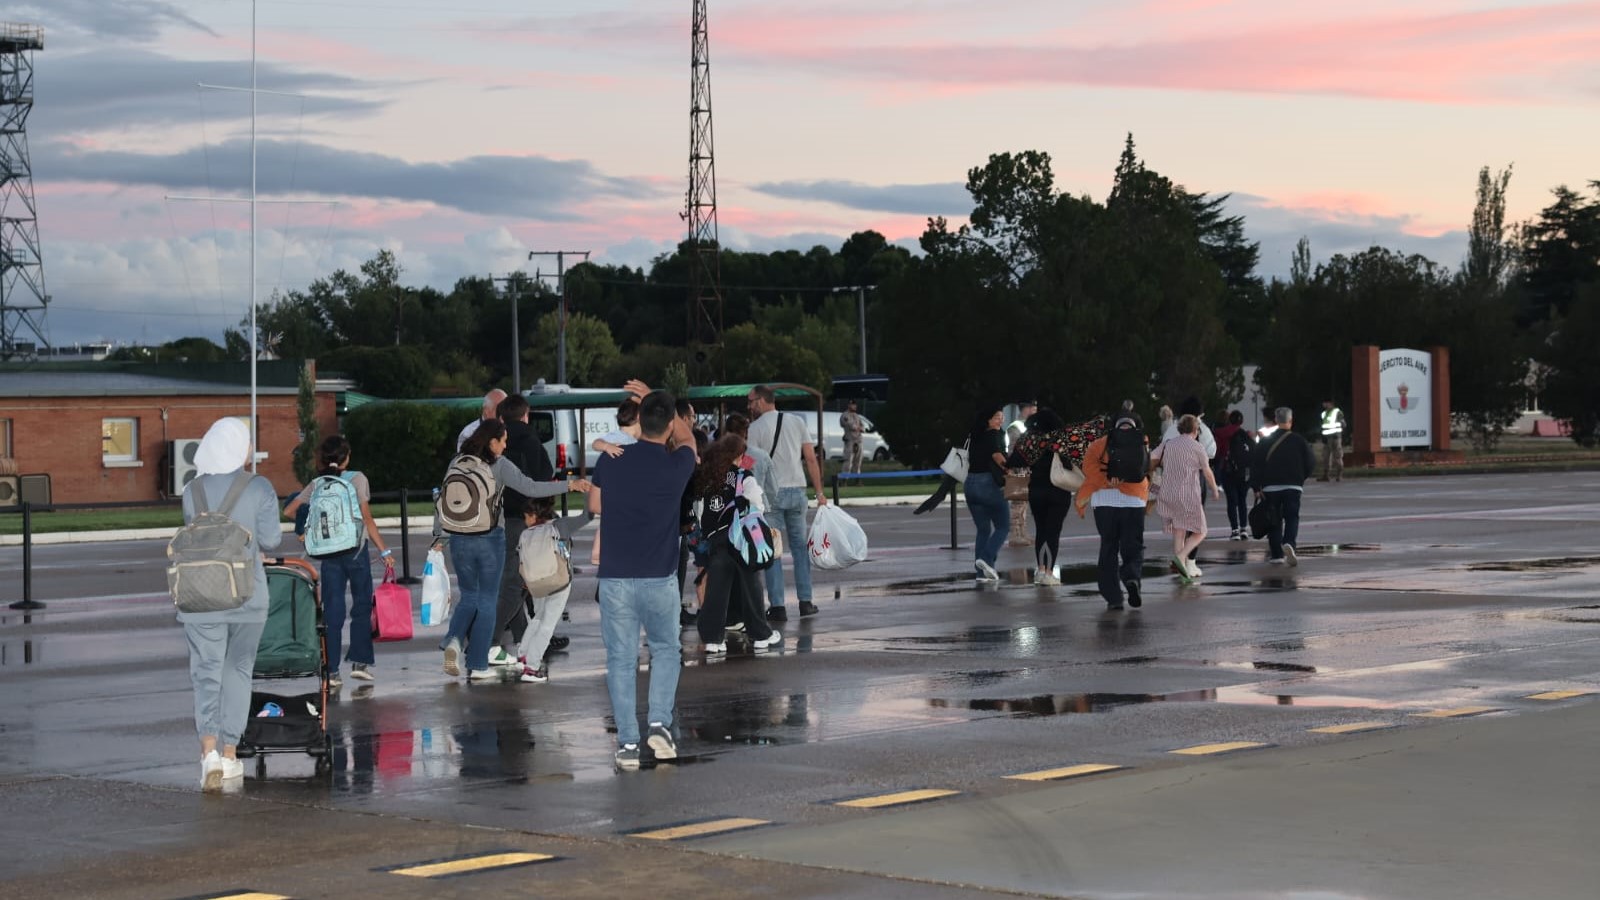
{"x": 181, "y": 454}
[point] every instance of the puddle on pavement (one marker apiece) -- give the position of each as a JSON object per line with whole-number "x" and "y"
{"x": 17, "y": 653}
{"x": 1535, "y": 565}
{"x": 1251, "y": 666}
{"x": 1088, "y": 574}
{"x": 1076, "y": 704}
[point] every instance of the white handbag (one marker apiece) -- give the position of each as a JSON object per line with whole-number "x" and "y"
{"x": 956, "y": 463}
{"x": 1067, "y": 478}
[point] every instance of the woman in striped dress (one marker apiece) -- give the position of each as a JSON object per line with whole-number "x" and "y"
{"x": 1184, "y": 463}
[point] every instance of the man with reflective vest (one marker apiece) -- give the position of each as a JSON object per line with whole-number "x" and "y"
{"x": 1332, "y": 442}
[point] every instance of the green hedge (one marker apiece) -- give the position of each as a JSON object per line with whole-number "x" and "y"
{"x": 403, "y": 445}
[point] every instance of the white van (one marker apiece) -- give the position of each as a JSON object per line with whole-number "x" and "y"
{"x": 558, "y": 429}
{"x": 873, "y": 446}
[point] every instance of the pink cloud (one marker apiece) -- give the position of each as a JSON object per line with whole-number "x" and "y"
{"x": 1494, "y": 54}
{"x": 1358, "y": 208}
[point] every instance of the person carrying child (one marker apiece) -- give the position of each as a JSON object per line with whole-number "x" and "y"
{"x": 545, "y": 555}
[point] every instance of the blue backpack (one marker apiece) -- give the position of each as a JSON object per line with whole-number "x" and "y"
{"x": 333, "y": 522}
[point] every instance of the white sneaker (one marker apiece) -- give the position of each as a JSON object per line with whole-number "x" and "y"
{"x": 986, "y": 572}
{"x": 772, "y": 640}
{"x": 484, "y": 675}
{"x": 1046, "y": 578}
{"x": 211, "y": 772}
{"x": 232, "y": 769}
{"x": 1289, "y": 554}
{"x": 499, "y": 658}
{"x": 452, "y": 657}
{"x": 714, "y": 649}
{"x": 1194, "y": 569}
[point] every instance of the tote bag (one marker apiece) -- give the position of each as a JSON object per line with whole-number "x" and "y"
{"x": 391, "y": 610}
{"x": 1067, "y": 478}
{"x": 955, "y": 462}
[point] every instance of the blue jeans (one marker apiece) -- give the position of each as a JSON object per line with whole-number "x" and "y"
{"x": 786, "y": 513}
{"x": 479, "y": 560}
{"x": 626, "y": 605}
{"x": 353, "y": 569}
{"x": 992, "y": 514}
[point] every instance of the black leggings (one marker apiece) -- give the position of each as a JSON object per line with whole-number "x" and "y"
{"x": 730, "y": 595}
{"x": 1048, "y": 518}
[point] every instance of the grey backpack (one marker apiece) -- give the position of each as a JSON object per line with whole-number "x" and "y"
{"x": 212, "y": 566}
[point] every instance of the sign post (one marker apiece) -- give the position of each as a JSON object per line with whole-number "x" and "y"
{"x": 1401, "y": 407}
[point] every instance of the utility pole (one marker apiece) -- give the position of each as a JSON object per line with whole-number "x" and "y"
{"x": 561, "y": 298}
{"x": 513, "y": 291}
{"x": 861, "y": 317}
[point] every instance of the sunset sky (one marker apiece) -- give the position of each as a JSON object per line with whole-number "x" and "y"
{"x": 461, "y": 136}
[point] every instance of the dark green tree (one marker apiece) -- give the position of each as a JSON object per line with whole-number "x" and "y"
{"x": 305, "y": 452}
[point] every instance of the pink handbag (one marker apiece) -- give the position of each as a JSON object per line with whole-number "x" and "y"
{"x": 391, "y": 610}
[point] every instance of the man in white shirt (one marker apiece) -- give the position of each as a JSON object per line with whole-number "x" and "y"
{"x": 491, "y": 410}
{"x": 794, "y": 456}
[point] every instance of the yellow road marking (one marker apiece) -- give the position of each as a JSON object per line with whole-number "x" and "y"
{"x": 698, "y": 829}
{"x": 471, "y": 864}
{"x": 1068, "y": 772}
{"x": 1209, "y": 749}
{"x": 1351, "y": 728}
{"x": 1457, "y": 712}
{"x": 1558, "y": 695}
{"x": 897, "y": 799}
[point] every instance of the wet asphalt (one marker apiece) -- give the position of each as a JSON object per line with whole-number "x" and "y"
{"x": 1425, "y": 617}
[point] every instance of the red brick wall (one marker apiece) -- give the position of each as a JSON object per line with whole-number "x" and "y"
{"x": 61, "y": 436}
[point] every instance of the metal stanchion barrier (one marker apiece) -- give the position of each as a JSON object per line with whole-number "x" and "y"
{"x": 27, "y": 602}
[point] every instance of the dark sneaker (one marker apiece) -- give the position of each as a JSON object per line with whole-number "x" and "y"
{"x": 661, "y": 742}
{"x": 559, "y": 642}
{"x": 1113, "y": 607}
{"x": 777, "y": 614}
{"x": 807, "y": 608}
{"x": 1135, "y": 600}
{"x": 687, "y": 619}
{"x": 628, "y": 756}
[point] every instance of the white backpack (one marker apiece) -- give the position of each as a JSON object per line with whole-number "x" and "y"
{"x": 545, "y": 562}
{"x": 333, "y": 524}
{"x": 469, "y": 499}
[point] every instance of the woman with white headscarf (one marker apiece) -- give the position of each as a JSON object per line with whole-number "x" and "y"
{"x": 222, "y": 645}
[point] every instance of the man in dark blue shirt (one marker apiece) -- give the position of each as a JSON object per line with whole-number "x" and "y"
{"x": 638, "y": 495}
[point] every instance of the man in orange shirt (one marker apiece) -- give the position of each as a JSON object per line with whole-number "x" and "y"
{"x": 1116, "y": 483}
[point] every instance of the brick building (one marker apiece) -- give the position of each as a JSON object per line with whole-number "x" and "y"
{"x": 118, "y": 432}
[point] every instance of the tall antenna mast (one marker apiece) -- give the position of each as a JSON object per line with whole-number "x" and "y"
{"x": 705, "y": 267}
{"x": 21, "y": 268}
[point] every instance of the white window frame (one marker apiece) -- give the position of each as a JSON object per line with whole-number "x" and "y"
{"x": 120, "y": 460}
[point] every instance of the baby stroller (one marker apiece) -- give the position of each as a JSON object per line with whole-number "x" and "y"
{"x": 293, "y": 645}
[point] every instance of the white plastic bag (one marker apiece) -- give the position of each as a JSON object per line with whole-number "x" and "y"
{"x": 837, "y": 541}
{"x": 435, "y": 590}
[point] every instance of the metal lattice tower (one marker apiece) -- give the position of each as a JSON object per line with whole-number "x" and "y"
{"x": 22, "y": 296}
{"x": 705, "y": 268}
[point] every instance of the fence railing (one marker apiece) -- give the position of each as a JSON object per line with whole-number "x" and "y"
{"x": 26, "y": 509}
{"x": 945, "y": 485}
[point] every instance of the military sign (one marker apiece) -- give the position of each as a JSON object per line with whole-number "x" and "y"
{"x": 1405, "y": 418}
